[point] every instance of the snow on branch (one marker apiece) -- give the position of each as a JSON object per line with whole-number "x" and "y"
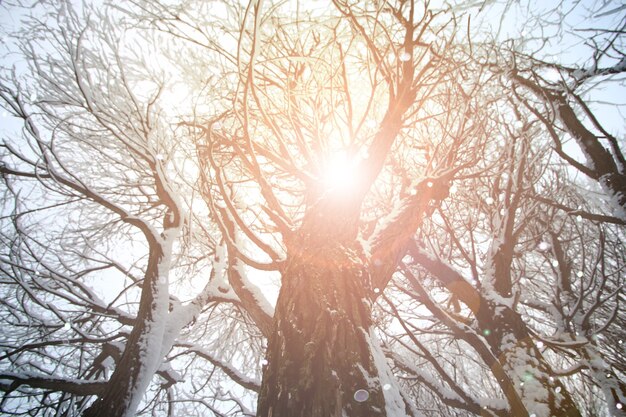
{"x": 392, "y": 236}
{"x": 10, "y": 381}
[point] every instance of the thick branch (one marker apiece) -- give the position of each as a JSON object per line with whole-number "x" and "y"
{"x": 72, "y": 386}
{"x": 394, "y": 234}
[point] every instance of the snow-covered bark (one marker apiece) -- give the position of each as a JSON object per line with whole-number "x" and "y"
{"x": 283, "y": 108}
{"x": 323, "y": 359}
{"x": 143, "y": 352}
{"x": 577, "y": 324}
{"x": 612, "y": 387}
{"x": 509, "y": 340}
{"x": 526, "y": 367}
{"x": 508, "y": 335}
{"x": 158, "y": 326}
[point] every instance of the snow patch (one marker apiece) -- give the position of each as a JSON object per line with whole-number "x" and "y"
{"x": 394, "y": 404}
{"x": 256, "y": 292}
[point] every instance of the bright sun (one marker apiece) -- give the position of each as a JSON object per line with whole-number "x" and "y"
{"x": 340, "y": 172}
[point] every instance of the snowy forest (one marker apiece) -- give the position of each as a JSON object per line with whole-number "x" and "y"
{"x": 313, "y": 208}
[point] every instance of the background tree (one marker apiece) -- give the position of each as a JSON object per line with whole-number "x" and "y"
{"x": 94, "y": 231}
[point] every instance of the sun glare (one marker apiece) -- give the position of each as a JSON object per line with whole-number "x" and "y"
{"x": 340, "y": 172}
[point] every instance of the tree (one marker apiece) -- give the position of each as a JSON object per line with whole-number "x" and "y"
{"x": 101, "y": 189}
{"x": 391, "y": 178}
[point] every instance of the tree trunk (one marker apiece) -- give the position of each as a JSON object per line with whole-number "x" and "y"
{"x": 322, "y": 358}
{"x": 142, "y": 353}
{"x": 599, "y": 159}
{"x": 510, "y": 341}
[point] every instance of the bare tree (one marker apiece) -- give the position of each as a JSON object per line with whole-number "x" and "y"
{"x": 96, "y": 226}
{"x": 503, "y": 277}
{"x": 295, "y": 108}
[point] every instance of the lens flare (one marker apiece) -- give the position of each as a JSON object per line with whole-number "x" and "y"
{"x": 340, "y": 172}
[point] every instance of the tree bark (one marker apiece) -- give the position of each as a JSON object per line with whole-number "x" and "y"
{"x": 322, "y": 357}
{"x": 510, "y": 341}
{"x": 525, "y": 369}
{"x": 137, "y": 366}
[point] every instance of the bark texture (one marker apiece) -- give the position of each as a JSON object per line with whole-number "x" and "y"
{"x": 321, "y": 361}
{"x": 319, "y": 353}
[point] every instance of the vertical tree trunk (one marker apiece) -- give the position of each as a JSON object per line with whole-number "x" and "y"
{"x": 322, "y": 358}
